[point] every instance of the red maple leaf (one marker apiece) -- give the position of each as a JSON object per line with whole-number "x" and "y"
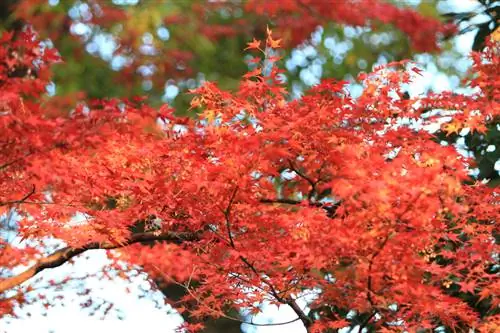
{"x": 255, "y": 44}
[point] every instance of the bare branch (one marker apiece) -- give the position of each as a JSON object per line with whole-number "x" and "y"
{"x": 61, "y": 256}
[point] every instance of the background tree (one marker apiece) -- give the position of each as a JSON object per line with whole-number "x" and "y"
{"x": 150, "y": 42}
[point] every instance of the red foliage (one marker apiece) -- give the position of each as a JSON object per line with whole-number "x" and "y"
{"x": 293, "y": 20}
{"x": 296, "y": 19}
{"x": 325, "y": 192}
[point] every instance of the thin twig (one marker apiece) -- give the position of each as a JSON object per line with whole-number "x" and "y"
{"x": 223, "y": 315}
{"x": 227, "y": 215}
{"x": 7, "y": 164}
{"x": 50, "y": 203}
{"x": 291, "y": 302}
{"x": 245, "y": 260}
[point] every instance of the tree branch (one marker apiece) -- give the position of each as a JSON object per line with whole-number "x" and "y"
{"x": 311, "y": 182}
{"x": 8, "y": 164}
{"x": 63, "y": 255}
{"x": 329, "y": 208}
{"x": 224, "y": 315}
{"x": 300, "y": 313}
{"x": 227, "y": 216}
{"x": 281, "y": 201}
{"x": 20, "y": 201}
{"x": 370, "y": 265}
{"x": 365, "y": 322}
{"x": 289, "y": 301}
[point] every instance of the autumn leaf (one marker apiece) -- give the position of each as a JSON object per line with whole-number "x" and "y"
{"x": 270, "y": 42}
{"x": 468, "y": 287}
{"x": 417, "y": 70}
{"x": 273, "y": 43}
{"x": 452, "y": 128}
{"x": 255, "y": 44}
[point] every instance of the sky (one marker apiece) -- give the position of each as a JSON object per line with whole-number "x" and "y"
{"x": 137, "y": 312}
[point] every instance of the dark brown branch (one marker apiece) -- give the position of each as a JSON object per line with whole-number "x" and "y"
{"x": 300, "y": 313}
{"x": 20, "y": 201}
{"x": 329, "y": 208}
{"x": 370, "y": 265}
{"x": 306, "y": 178}
{"x": 63, "y": 255}
{"x": 267, "y": 283}
{"x": 291, "y": 302}
{"x": 281, "y": 201}
{"x": 267, "y": 324}
{"x": 227, "y": 216}
{"x": 366, "y": 321}
{"x": 187, "y": 288}
{"x": 8, "y": 164}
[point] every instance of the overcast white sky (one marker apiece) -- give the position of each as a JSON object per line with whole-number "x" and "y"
{"x": 137, "y": 312}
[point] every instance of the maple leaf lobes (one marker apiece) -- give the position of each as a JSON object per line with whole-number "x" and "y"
{"x": 255, "y": 44}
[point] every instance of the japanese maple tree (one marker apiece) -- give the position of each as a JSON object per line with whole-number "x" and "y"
{"x": 260, "y": 197}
